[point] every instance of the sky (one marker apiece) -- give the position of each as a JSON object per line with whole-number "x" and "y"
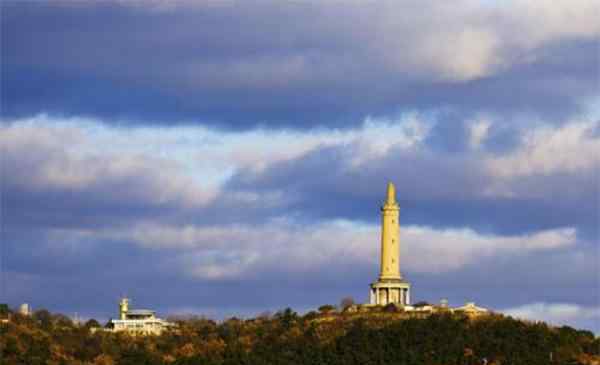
{"x": 227, "y": 158}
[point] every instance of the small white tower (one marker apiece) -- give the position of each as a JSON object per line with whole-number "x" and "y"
{"x": 123, "y": 308}
{"x": 24, "y": 309}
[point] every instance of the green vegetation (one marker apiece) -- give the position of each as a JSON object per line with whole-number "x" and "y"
{"x": 327, "y": 337}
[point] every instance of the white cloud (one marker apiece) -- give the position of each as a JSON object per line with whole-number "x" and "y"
{"x": 478, "y": 132}
{"x": 430, "y": 250}
{"x": 541, "y": 21}
{"x": 570, "y": 314}
{"x": 569, "y": 154}
{"x": 85, "y": 148}
{"x": 188, "y": 167}
{"x": 218, "y": 252}
{"x": 208, "y": 155}
{"x": 546, "y": 150}
{"x": 39, "y": 157}
{"x": 461, "y": 54}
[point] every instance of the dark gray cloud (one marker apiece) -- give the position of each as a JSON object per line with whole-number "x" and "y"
{"x": 434, "y": 189}
{"x": 294, "y": 65}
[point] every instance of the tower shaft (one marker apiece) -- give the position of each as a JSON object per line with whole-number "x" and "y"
{"x": 390, "y": 237}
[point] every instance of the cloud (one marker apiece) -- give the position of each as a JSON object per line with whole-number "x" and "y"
{"x": 446, "y": 250}
{"x": 238, "y": 251}
{"x": 331, "y": 64}
{"x": 268, "y": 265}
{"x": 240, "y": 177}
{"x": 548, "y": 150}
{"x": 48, "y": 184}
{"x": 560, "y": 314}
{"x": 514, "y": 192}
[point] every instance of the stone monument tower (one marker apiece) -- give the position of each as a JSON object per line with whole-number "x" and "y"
{"x": 390, "y": 287}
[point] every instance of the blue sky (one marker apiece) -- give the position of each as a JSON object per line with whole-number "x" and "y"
{"x": 227, "y": 158}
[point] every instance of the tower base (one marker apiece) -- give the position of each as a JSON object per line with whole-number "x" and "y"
{"x": 390, "y": 291}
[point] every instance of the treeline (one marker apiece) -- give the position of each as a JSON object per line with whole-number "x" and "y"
{"x": 288, "y": 338}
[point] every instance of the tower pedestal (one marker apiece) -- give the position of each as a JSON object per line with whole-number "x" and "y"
{"x": 390, "y": 291}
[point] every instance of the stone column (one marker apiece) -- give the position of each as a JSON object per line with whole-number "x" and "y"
{"x": 390, "y": 243}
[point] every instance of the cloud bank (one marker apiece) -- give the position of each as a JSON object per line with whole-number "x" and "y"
{"x": 295, "y": 65}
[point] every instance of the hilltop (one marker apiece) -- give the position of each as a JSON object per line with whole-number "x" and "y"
{"x": 325, "y": 337}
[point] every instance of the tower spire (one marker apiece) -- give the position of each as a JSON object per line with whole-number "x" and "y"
{"x": 391, "y": 194}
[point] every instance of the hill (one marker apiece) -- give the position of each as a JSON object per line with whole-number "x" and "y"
{"x": 315, "y": 338}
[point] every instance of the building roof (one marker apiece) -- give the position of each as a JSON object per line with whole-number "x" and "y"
{"x": 140, "y": 312}
{"x": 471, "y": 307}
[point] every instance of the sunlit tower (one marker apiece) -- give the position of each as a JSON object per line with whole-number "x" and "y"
{"x": 390, "y": 287}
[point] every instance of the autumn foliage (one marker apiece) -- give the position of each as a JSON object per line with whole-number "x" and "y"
{"x": 325, "y": 337}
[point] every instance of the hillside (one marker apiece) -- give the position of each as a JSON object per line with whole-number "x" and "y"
{"x": 315, "y": 338}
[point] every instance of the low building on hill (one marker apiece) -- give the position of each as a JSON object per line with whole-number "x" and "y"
{"x": 137, "y": 321}
{"x": 423, "y": 309}
{"x": 25, "y": 309}
{"x": 471, "y": 310}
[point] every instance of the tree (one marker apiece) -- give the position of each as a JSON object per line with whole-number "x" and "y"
{"x": 44, "y": 318}
{"x": 287, "y": 317}
{"x": 327, "y": 308}
{"x": 311, "y": 315}
{"x": 103, "y": 359}
{"x": 60, "y": 320}
{"x": 285, "y": 338}
{"x": 4, "y": 310}
{"x": 92, "y": 323}
{"x": 421, "y": 304}
{"x": 346, "y": 302}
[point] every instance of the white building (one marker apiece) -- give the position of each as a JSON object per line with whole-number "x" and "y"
{"x": 138, "y": 321}
{"x": 470, "y": 309}
{"x": 25, "y": 309}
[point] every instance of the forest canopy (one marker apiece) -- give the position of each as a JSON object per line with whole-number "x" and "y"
{"x": 324, "y": 337}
